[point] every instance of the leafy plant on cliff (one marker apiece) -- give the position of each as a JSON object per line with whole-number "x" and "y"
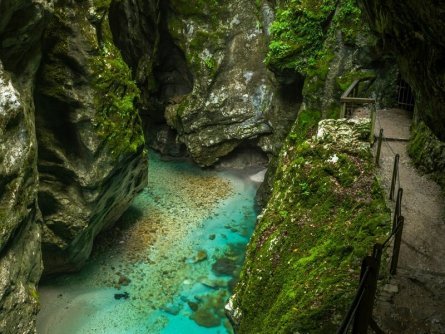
{"x": 298, "y": 33}
{"x": 117, "y": 118}
{"x": 301, "y": 27}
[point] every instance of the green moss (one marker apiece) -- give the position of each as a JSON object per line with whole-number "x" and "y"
{"x": 301, "y": 27}
{"x": 34, "y": 293}
{"x": 298, "y": 33}
{"x": 117, "y": 118}
{"x": 345, "y": 80}
{"x": 428, "y": 152}
{"x": 303, "y": 261}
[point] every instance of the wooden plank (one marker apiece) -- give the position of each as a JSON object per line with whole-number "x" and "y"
{"x": 363, "y": 100}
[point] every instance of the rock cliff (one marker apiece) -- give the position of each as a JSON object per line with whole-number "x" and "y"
{"x": 71, "y": 144}
{"x": 203, "y": 80}
{"x": 91, "y": 160}
{"x": 325, "y": 212}
{"x": 412, "y": 32}
{"x": 21, "y": 25}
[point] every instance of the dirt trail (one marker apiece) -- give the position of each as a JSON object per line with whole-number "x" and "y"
{"x": 413, "y": 301}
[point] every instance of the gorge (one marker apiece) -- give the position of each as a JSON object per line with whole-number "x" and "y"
{"x": 90, "y": 89}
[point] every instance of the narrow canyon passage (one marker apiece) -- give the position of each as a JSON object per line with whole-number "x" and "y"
{"x": 168, "y": 266}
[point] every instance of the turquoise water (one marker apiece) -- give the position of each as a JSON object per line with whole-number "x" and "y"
{"x": 174, "y": 255}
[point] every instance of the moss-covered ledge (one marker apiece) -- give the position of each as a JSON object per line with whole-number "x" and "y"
{"x": 325, "y": 213}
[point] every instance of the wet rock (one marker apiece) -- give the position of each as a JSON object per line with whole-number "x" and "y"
{"x": 21, "y": 26}
{"x": 119, "y": 296}
{"x": 172, "y": 309}
{"x": 224, "y": 267}
{"x": 201, "y": 256}
{"x": 212, "y": 236}
{"x": 193, "y": 306}
{"x": 124, "y": 280}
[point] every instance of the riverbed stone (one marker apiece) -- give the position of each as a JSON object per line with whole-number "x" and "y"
{"x": 224, "y": 266}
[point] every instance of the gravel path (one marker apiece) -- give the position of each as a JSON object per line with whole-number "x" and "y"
{"x": 413, "y": 301}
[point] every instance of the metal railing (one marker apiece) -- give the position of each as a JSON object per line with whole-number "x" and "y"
{"x": 359, "y": 316}
{"x": 350, "y": 101}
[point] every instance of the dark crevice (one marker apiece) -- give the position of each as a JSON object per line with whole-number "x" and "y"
{"x": 159, "y": 66}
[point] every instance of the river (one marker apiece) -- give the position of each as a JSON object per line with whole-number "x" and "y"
{"x": 169, "y": 264}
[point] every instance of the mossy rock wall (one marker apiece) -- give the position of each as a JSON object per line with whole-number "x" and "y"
{"x": 326, "y": 209}
{"x": 428, "y": 152}
{"x": 325, "y": 213}
{"x": 91, "y": 146}
{"x": 325, "y": 43}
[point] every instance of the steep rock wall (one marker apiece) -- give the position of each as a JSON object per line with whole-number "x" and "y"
{"x": 91, "y": 156}
{"x": 326, "y": 44}
{"x": 325, "y": 212}
{"x": 234, "y": 98}
{"x": 21, "y": 25}
{"x": 200, "y": 70}
{"x": 413, "y": 32}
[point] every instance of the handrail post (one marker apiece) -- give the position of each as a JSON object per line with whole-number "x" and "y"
{"x": 364, "y": 311}
{"x": 343, "y": 110}
{"x": 373, "y": 117}
{"x": 398, "y": 209}
{"x": 394, "y": 176}
{"x": 397, "y": 243}
{"x": 379, "y": 148}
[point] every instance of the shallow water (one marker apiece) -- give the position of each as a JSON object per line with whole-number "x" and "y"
{"x": 159, "y": 259}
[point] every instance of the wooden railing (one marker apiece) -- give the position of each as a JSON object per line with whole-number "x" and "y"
{"x": 349, "y": 101}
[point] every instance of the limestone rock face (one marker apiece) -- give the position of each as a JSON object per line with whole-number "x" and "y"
{"x": 20, "y": 260}
{"x": 20, "y": 231}
{"x": 413, "y": 32}
{"x": 233, "y": 97}
{"x": 91, "y": 157}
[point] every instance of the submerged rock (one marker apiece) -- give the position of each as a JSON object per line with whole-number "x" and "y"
{"x": 172, "y": 309}
{"x": 201, "y": 256}
{"x": 210, "y": 311}
{"x": 119, "y": 296}
{"x": 224, "y": 267}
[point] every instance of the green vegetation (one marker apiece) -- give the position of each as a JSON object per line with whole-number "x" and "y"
{"x": 323, "y": 217}
{"x": 427, "y": 152}
{"x": 347, "y": 79}
{"x": 302, "y": 26}
{"x": 117, "y": 118}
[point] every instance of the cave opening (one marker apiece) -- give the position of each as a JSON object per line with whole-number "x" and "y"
{"x": 405, "y": 95}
